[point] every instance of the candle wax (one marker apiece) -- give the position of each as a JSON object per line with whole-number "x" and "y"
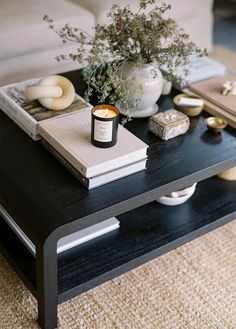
{"x": 105, "y": 113}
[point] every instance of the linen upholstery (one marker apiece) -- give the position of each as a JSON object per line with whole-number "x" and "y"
{"x": 28, "y": 48}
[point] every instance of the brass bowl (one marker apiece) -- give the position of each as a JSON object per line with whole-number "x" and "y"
{"x": 189, "y": 111}
{"x": 215, "y": 124}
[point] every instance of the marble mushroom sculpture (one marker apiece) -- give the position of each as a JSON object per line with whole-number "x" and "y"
{"x": 54, "y": 92}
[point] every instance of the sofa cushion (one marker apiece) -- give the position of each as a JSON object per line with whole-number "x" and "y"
{"x": 33, "y": 65}
{"x": 24, "y": 31}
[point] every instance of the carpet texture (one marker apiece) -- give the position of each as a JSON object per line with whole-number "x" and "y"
{"x": 192, "y": 287}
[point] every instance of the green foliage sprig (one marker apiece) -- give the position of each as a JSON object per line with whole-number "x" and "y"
{"x": 141, "y": 37}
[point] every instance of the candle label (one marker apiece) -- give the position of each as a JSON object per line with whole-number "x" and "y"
{"x": 103, "y": 131}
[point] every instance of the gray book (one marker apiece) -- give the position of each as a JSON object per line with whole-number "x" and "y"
{"x": 70, "y": 137}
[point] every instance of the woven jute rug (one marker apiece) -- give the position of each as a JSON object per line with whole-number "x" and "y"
{"x": 192, "y": 287}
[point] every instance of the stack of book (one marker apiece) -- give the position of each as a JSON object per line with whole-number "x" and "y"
{"x": 68, "y": 139}
{"x": 198, "y": 69}
{"x": 212, "y": 91}
{"x": 66, "y": 134}
{"x": 28, "y": 114}
{"x": 216, "y": 103}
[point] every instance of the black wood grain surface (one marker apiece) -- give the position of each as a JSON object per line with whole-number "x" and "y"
{"x": 18, "y": 256}
{"x": 146, "y": 232}
{"x": 45, "y": 197}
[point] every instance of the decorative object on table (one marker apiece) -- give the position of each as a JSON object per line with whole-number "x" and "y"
{"x": 28, "y": 114}
{"x": 68, "y": 242}
{"x": 212, "y": 91}
{"x": 191, "y": 106}
{"x": 142, "y": 42}
{"x": 228, "y": 174}
{"x": 169, "y": 124}
{"x": 215, "y": 110}
{"x": 54, "y": 92}
{"x": 69, "y": 140}
{"x": 215, "y": 124}
{"x": 199, "y": 69}
{"x": 179, "y": 197}
{"x": 167, "y": 86}
{"x": 104, "y": 127}
{"x": 229, "y": 88}
{"x": 146, "y": 86}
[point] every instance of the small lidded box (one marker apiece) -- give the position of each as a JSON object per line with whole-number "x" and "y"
{"x": 169, "y": 124}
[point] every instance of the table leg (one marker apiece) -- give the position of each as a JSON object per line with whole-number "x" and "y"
{"x": 46, "y": 267}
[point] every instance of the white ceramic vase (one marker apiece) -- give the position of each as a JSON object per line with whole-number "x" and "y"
{"x": 145, "y": 84}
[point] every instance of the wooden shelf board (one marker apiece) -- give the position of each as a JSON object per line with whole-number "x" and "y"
{"x": 145, "y": 233}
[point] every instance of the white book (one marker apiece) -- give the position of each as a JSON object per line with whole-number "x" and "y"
{"x": 70, "y": 136}
{"x": 116, "y": 174}
{"x": 101, "y": 179}
{"x": 28, "y": 114}
{"x": 21, "y": 124}
{"x": 199, "y": 68}
{"x": 69, "y": 241}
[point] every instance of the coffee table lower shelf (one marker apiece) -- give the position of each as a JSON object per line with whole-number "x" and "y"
{"x": 145, "y": 233}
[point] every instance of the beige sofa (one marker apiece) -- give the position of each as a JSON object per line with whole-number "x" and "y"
{"x": 28, "y": 48}
{"x": 194, "y": 16}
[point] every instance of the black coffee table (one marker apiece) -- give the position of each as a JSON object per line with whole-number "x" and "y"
{"x": 47, "y": 202}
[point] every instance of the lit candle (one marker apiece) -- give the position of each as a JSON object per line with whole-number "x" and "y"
{"x": 105, "y": 119}
{"x": 105, "y": 113}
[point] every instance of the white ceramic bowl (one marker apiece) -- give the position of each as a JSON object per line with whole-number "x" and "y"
{"x": 175, "y": 201}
